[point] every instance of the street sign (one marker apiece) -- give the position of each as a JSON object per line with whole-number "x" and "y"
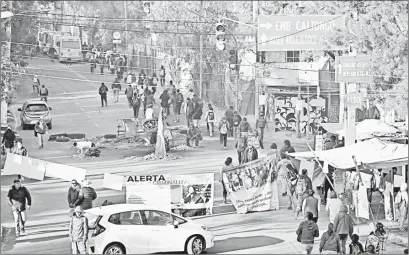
{"x": 353, "y": 99}
{"x": 305, "y": 32}
{"x": 116, "y": 41}
{"x": 116, "y": 35}
{"x": 354, "y": 69}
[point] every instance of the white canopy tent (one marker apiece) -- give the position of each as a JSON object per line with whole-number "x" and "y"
{"x": 369, "y": 128}
{"x": 371, "y": 154}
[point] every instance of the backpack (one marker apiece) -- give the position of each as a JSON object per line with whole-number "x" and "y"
{"x": 211, "y": 115}
{"x": 44, "y": 92}
{"x": 301, "y": 186}
{"x": 162, "y": 72}
{"x": 236, "y": 120}
{"x": 223, "y": 129}
{"x": 103, "y": 90}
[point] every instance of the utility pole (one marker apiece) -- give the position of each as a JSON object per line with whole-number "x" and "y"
{"x": 126, "y": 37}
{"x": 257, "y": 92}
{"x": 201, "y": 52}
{"x": 350, "y": 123}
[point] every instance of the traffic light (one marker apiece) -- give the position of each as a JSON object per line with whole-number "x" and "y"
{"x": 220, "y": 37}
{"x": 146, "y": 7}
{"x": 233, "y": 60}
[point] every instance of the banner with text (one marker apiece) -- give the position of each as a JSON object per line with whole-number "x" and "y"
{"x": 252, "y": 187}
{"x": 295, "y": 33}
{"x": 186, "y": 195}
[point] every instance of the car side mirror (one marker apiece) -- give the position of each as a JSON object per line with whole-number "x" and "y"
{"x": 175, "y": 224}
{"x": 50, "y": 108}
{"x": 19, "y": 109}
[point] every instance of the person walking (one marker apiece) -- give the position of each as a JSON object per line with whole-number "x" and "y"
{"x": 93, "y": 64}
{"x": 311, "y": 205}
{"x": 19, "y": 149}
{"x": 229, "y": 116}
{"x": 287, "y": 148}
{"x": 136, "y": 104}
{"x": 19, "y": 199}
{"x": 224, "y": 128}
{"x": 43, "y": 93}
{"x": 306, "y": 233}
{"x": 261, "y": 124}
{"x": 330, "y": 243}
{"x": 88, "y": 194}
{"x": 36, "y": 86}
{"x": 177, "y": 105}
{"x": 189, "y": 109}
{"x": 101, "y": 65}
{"x": 162, "y": 74}
{"x": 116, "y": 87}
{"x": 40, "y": 129}
{"x": 74, "y": 198}
{"x": 78, "y": 231}
{"x": 198, "y": 110}
{"x": 236, "y": 120}
{"x": 129, "y": 94}
{"x": 228, "y": 164}
{"x": 333, "y": 205}
{"x": 9, "y": 137}
{"x": 343, "y": 226}
{"x": 292, "y": 180}
{"x": 165, "y": 102}
{"x": 241, "y": 145}
{"x": 244, "y": 127}
{"x": 154, "y": 83}
{"x": 401, "y": 204}
{"x": 103, "y": 90}
{"x": 304, "y": 184}
{"x": 210, "y": 118}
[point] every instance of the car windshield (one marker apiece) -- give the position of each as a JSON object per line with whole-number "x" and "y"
{"x": 71, "y": 45}
{"x": 36, "y": 108}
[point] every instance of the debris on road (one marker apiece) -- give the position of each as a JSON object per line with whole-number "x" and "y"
{"x": 153, "y": 157}
{"x": 182, "y": 147}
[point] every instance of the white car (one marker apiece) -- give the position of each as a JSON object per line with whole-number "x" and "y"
{"x": 135, "y": 228}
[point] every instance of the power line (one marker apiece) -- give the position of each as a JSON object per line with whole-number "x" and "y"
{"x": 222, "y": 63}
{"x": 214, "y": 90}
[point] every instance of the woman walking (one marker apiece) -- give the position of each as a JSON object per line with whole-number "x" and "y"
{"x": 227, "y": 165}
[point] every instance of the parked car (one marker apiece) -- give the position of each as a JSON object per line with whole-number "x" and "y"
{"x": 4, "y": 128}
{"x": 135, "y": 228}
{"x": 31, "y": 112}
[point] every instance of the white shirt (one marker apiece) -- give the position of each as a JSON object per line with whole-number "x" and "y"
{"x": 149, "y": 113}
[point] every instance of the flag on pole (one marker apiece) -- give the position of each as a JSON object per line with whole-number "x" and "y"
{"x": 160, "y": 148}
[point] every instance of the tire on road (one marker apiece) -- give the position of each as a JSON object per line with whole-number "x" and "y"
{"x": 115, "y": 248}
{"x": 195, "y": 245}
{"x": 76, "y": 136}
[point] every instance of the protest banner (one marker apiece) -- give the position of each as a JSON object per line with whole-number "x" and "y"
{"x": 186, "y": 195}
{"x": 362, "y": 208}
{"x": 252, "y": 187}
{"x": 25, "y": 166}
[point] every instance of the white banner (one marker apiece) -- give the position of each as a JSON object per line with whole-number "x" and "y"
{"x": 65, "y": 172}
{"x": 362, "y": 209}
{"x": 186, "y": 195}
{"x": 113, "y": 181}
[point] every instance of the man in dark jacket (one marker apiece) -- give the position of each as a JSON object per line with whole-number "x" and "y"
{"x": 18, "y": 197}
{"x": 244, "y": 127}
{"x": 74, "y": 198}
{"x": 287, "y": 148}
{"x": 189, "y": 108}
{"x": 136, "y": 104}
{"x": 9, "y": 138}
{"x": 343, "y": 226}
{"x": 307, "y": 231}
{"x": 103, "y": 90}
{"x": 198, "y": 110}
{"x": 229, "y": 116}
{"x": 261, "y": 124}
{"x": 236, "y": 122}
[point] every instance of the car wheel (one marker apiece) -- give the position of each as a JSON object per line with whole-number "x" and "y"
{"x": 114, "y": 249}
{"x": 50, "y": 126}
{"x": 23, "y": 127}
{"x": 195, "y": 245}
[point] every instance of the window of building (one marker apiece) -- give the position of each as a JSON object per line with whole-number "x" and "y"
{"x": 293, "y": 56}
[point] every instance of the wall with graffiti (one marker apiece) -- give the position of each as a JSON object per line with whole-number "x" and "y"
{"x": 284, "y": 113}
